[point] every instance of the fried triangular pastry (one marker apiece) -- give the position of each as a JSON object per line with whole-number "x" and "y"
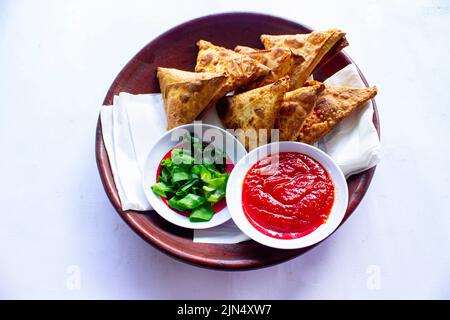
{"x": 239, "y": 68}
{"x": 245, "y": 49}
{"x": 280, "y": 60}
{"x": 340, "y": 44}
{"x": 311, "y": 46}
{"x": 187, "y": 94}
{"x": 252, "y": 114}
{"x": 296, "y": 106}
{"x": 333, "y": 105}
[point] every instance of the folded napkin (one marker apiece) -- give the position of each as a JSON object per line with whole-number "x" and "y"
{"x": 133, "y": 124}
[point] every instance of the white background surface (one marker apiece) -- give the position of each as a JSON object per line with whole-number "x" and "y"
{"x": 57, "y": 60}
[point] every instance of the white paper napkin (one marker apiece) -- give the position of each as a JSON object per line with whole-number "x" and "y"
{"x": 135, "y": 122}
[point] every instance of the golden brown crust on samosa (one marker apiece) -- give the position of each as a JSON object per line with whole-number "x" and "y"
{"x": 245, "y": 49}
{"x": 239, "y": 68}
{"x": 187, "y": 94}
{"x": 333, "y": 105}
{"x": 312, "y": 47}
{"x": 295, "y": 108}
{"x": 253, "y": 111}
{"x": 280, "y": 60}
{"x": 341, "y": 44}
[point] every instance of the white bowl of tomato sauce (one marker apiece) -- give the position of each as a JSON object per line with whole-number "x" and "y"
{"x": 187, "y": 185}
{"x": 287, "y": 195}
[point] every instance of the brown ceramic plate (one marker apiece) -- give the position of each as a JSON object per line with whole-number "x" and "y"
{"x": 176, "y": 48}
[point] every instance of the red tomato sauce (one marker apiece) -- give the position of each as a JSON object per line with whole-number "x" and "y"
{"x": 216, "y": 207}
{"x": 287, "y": 195}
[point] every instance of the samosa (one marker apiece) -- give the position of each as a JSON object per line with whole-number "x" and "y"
{"x": 186, "y": 94}
{"x": 296, "y": 106}
{"x": 252, "y": 114}
{"x": 239, "y": 68}
{"x": 333, "y": 105}
{"x": 280, "y": 60}
{"x": 311, "y": 46}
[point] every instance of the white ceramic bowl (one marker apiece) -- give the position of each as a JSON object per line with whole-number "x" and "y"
{"x": 167, "y": 142}
{"x": 234, "y": 195}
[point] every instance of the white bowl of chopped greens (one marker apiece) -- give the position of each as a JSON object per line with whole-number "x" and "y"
{"x": 186, "y": 174}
